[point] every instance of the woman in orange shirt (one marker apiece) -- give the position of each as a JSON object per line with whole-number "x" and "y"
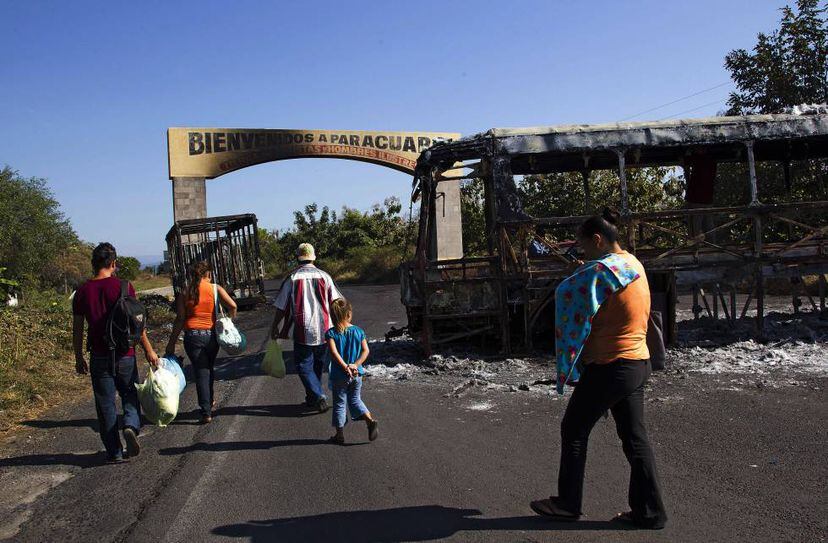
{"x": 196, "y": 315}
{"x": 615, "y": 364}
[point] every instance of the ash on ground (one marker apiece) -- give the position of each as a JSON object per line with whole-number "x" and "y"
{"x": 402, "y": 359}
{"x": 792, "y": 353}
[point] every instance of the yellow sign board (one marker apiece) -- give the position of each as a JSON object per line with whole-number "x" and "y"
{"x": 211, "y": 152}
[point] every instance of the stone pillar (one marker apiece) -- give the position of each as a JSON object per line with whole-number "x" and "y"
{"x": 448, "y": 221}
{"x": 189, "y": 198}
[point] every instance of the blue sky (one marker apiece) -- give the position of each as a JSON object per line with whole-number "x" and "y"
{"x": 89, "y": 88}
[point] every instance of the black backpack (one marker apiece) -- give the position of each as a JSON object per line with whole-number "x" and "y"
{"x": 125, "y": 322}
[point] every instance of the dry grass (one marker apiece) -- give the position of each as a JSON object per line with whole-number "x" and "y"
{"x": 37, "y": 367}
{"x": 146, "y": 281}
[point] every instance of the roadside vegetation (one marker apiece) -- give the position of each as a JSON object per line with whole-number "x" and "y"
{"x": 353, "y": 246}
{"x": 36, "y": 361}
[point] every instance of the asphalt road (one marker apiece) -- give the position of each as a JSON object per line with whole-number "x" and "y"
{"x": 736, "y": 465}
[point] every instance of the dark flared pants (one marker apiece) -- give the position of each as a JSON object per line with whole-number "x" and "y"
{"x": 202, "y": 348}
{"x": 618, "y": 387}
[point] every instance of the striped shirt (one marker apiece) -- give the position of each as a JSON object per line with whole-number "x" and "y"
{"x": 307, "y": 295}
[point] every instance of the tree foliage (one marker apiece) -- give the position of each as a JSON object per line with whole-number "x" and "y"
{"x": 351, "y": 244}
{"x": 562, "y": 194}
{"x": 785, "y": 68}
{"x": 472, "y": 214}
{"x": 70, "y": 268}
{"x": 34, "y": 234}
{"x": 128, "y": 267}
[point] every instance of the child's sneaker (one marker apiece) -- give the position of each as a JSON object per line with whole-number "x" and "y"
{"x": 372, "y": 430}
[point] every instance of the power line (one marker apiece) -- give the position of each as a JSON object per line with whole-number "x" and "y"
{"x": 719, "y": 101}
{"x": 676, "y": 101}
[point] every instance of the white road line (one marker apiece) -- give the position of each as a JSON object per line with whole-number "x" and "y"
{"x": 181, "y": 528}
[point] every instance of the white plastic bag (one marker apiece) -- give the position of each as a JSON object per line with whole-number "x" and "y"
{"x": 229, "y": 338}
{"x": 159, "y": 396}
{"x": 173, "y": 364}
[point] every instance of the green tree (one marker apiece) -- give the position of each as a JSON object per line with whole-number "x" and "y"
{"x": 33, "y": 230}
{"x": 128, "y": 268}
{"x": 69, "y": 268}
{"x": 562, "y": 194}
{"x": 353, "y": 244}
{"x": 472, "y": 214}
{"x": 785, "y": 68}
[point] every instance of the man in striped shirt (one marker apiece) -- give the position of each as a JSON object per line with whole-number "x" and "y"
{"x": 304, "y": 301}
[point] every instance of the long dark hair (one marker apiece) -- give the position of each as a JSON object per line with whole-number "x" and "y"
{"x": 604, "y": 224}
{"x": 197, "y": 273}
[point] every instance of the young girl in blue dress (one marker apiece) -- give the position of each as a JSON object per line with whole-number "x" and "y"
{"x": 348, "y": 348}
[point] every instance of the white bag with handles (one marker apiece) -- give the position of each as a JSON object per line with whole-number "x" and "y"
{"x": 229, "y": 338}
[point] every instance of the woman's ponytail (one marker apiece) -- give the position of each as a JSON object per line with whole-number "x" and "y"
{"x": 610, "y": 215}
{"x": 603, "y": 224}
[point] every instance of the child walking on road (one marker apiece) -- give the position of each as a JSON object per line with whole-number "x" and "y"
{"x": 349, "y": 350}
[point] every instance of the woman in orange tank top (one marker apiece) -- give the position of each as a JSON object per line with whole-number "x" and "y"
{"x": 616, "y": 367}
{"x": 196, "y": 315}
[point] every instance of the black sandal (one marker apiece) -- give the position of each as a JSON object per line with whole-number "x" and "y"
{"x": 549, "y": 509}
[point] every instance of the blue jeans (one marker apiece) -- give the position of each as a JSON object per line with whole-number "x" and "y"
{"x": 347, "y": 394}
{"x": 309, "y": 361}
{"x": 105, "y": 384}
{"x": 202, "y": 349}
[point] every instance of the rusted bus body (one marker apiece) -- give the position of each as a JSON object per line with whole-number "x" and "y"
{"x": 507, "y": 296}
{"x": 230, "y": 243}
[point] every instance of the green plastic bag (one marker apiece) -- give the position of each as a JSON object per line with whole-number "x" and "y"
{"x": 159, "y": 396}
{"x": 273, "y": 363}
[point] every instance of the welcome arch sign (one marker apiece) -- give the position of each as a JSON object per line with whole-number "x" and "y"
{"x": 197, "y": 154}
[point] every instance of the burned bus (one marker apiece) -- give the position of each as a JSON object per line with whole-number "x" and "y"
{"x": 505, "y": 297}
{"x": 230, "y": 244}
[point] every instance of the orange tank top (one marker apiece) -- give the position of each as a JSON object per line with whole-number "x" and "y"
{"x": 201, "y": 316}
{"x": 619, "y": 329}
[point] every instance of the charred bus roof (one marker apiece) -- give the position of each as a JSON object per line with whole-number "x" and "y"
{"x": 547, "y": 149}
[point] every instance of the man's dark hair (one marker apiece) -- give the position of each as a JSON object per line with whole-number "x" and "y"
{"x": 604, "y": 224}
{"x": 103, "y": 256}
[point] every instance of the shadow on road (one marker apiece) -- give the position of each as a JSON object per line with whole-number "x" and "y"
{"x": 82, "y": 460}
{"x": 229, "y": 368}
{"x": 283, "y": 410}
{"x": 247, "y": 446}
{"x": 419, "y": 523}
{"x": 69, "y": 423}
{"x": 193, "y": 417}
